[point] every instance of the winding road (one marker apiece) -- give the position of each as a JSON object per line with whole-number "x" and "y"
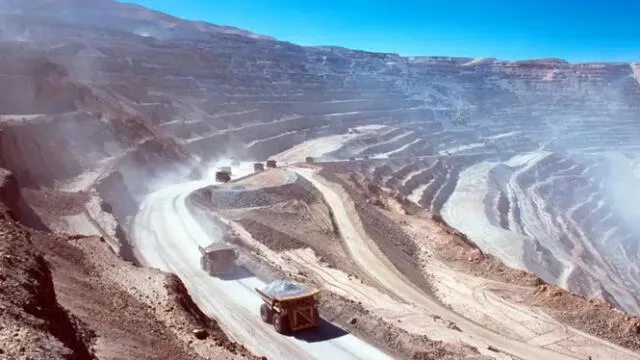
{"x": 166, "y": 236}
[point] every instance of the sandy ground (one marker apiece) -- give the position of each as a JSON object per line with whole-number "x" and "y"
{"x": 73, "y": 298}
{"x": 465, "y": 211}
{"x": 297, "y": 218}
{"x": 519, "y": 320}
{"x": 486, "y": 301}
{"x": 136, "y": 312}
{"x": 470, "y": 298}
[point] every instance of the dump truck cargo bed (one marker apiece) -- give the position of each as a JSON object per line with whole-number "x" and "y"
{"x": 289, "y": 305}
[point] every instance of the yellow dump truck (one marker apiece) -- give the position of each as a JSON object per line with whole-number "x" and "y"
{"x": 289, "y": 306}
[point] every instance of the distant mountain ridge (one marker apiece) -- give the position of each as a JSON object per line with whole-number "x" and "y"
{"x": 125, "y": 16}
{"x": 120, "y": 16}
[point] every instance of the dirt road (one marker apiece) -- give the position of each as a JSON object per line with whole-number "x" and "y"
{"x": 166, "y": 236}
{"x": 370, "y": 259}
{"x": 314, "y": 148}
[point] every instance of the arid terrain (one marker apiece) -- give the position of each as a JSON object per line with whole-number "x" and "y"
{"x": 452, "y": 208}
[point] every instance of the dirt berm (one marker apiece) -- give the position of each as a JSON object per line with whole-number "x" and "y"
{"x": 222, "y": 198}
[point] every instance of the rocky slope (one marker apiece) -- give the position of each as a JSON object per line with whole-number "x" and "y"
{"x": 33, "y": 323}
{"x": 71, "y": 297}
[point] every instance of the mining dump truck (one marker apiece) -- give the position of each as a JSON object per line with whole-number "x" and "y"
{"x": 218, "y": 259}
{"x": 289, "y": 306}
{"x": 223, "y": 176}
{"x": 271, "y": 164}
{"x": 258, "y": 167}
{"x": 308, "y": 159}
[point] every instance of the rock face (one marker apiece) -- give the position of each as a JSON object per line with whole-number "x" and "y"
{"x": 13, "y": 205}
{"x": 149, "y": 94}
{"x": 115, "y": 193}
{"x": 31, "y": 314}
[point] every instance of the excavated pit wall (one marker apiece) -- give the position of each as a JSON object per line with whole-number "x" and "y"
{"x": 16, "y": 207}
{"x": 31, "y": 313}
{"x": 33, "y": 84}
{"x": 36, "y": 154}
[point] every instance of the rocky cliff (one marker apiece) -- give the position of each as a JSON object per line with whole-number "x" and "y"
{"x": 31, "y": 313}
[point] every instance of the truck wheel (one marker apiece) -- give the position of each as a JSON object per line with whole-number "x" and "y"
{"x": 265, "y": 313}
{"x": 279, "y": 323}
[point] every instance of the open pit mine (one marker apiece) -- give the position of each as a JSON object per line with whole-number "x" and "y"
{"x": 158, "y": 177}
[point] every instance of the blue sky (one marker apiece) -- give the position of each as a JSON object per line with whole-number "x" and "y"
{"x": 587, "y": 30}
